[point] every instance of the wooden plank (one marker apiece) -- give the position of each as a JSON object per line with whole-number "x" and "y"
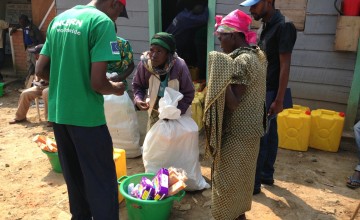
{"x": 320, "y": 24}
{"x": 324, "y": 76}
{"x": 137, "y": 5}
{"x": 155, "y": 22}
{"x": 65, "y": 4}
{"x": 281, "y": 4}
{"x": 291, "y": 4}
{"x": 134, "y": 33}
{"x": 321, "y": 59}
{"x": 296, "y": 16}
{"x": 347, "y": 33}
{"x": 323, "y": 42}
{"x": 234, "y": 3}
{"x": 224, "y": 9}
{"x": 136, "y": 19}
{"x": 210, "y": 36}
{"x": 322, "y": 7}
{"x": 311, "y": 91}
{"x": 59, "y": 11}
{"x": 293, "y": 9}
{"x": 319, "y": 92}
{"x": 139, "y": 46}
{"x": 353, "y": 101}
{"x": 133, "y": 5}
{"x": 39, "y": 9}
{"x": 316, "y": 104}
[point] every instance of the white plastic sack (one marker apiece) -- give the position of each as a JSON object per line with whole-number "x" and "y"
{"x": 122, "y": 122}
{"x": 175, "y": 143}
{"x": 168, "y": 104}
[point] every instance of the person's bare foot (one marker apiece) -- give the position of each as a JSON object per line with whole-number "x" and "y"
{"x": 354, "y": 180}
{"x": 15, "y": 121}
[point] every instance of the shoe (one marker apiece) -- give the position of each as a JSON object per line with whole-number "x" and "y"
{"x": 353, "y": 183}
{"x": 15, "y": 121}
{"x": 256, "y": 191}
{"x": 268, "y": 182}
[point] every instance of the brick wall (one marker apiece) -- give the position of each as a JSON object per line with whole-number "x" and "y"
{"x": 20, "y": 53}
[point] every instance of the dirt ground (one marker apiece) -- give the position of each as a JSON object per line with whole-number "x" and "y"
{"x": 308, "y": 185}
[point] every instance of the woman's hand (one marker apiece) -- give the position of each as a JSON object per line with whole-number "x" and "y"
{"x": 143, "y": 106}
{"x": 118, "y": 88}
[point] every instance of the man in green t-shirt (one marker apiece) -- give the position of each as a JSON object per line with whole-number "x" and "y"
{"x": 80, "y": 42}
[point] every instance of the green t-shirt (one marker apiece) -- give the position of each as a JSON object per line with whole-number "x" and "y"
{"x": 75, "y": 39}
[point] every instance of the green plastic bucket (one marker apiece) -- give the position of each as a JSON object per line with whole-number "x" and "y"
{"x": 54, "y": 161}
{"x": 1, "y": 89}
{"x": 146, "y": 209}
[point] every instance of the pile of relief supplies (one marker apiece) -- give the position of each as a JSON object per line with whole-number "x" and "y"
{"x": 167, "y": 182}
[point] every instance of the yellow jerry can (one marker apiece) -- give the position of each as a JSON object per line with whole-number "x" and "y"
{"x": 326, "y": 129}
{"x": 119, "y": 157}
{"x": 294, "y": 129}
{"x": 301, "y": 107}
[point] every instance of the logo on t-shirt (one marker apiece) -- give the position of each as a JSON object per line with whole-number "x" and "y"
{"x": 115, "y": 47}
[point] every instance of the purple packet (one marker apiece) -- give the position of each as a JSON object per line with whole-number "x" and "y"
{"x": 161, "y": 184}
{"x": 146, "y": 189}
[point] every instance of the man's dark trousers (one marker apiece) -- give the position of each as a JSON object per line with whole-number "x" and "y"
{"x": 86, "y": 158}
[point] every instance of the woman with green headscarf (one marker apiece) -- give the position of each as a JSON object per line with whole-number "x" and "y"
{"x": 160, "y": 67}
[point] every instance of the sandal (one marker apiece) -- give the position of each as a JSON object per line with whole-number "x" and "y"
{"x": 353, "y": 183}
{"x": 15, "y": 121}
{"x": 268, "y": 182}
{"x": 49, "y": 124}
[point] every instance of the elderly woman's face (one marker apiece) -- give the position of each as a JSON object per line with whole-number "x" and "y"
{"x": 226, "y": 42}
{"x": 158, "y": 55}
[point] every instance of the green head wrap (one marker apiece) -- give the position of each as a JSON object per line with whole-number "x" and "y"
{"x": 164, "y": 40}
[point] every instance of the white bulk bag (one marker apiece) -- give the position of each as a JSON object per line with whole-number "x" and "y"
{"x": 122, "y": 122}
{"x": 174, "y": 143}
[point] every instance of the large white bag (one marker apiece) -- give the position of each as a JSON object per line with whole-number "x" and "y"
{"x": 174, "y": 142}
{"x": 122, "y": 122}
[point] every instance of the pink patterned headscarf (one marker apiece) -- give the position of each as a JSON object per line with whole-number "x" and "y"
{"x": 235, "y": 21}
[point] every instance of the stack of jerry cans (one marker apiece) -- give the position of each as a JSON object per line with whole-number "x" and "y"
{"x": 326, "y": 129}
{"x": 294, "y": 128}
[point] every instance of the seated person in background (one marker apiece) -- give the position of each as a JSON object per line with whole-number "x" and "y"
{"x": 39, "y": 89}
{"x": 32, "y": 37}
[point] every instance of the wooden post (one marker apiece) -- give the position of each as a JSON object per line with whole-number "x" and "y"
{"x": 155, "y": 24}
{"x": 353, "y": 101}
{"x": 210, "y": 32}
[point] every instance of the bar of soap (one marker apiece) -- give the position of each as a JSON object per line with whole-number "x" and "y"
{"x": 161, "y": 184}
{"x": 146, "y": 189}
